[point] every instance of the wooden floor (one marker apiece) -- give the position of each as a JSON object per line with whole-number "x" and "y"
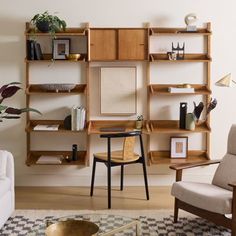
{"x": 77, "y": 198}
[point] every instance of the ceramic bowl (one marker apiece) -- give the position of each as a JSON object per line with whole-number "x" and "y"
{"x": 57, "y": 87}
{"x": 73, "y": 57}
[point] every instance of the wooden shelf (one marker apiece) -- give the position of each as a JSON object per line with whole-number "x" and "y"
{"x": 197, "y": 57}
{"x": 32, "y": 123}
{"x": 129, "y": 125}
{"x": 67, "y": 32}
{"x": 34, "y": 156}
{"x": 162, "y": 89}
{"x": 48, "y": 58}
{"x": 178, "y": 31}
{"x": 172, "y": 126}
{"x": 163, "y": 157}
{"x": 36, "y": 89}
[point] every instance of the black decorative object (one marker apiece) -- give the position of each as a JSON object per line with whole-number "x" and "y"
{"x": 67, "y": 122}
{"x": 179, "y": 51}
{"x": 211, "y": 106}
{"x": 74, "y": 152}
{"x": 30, "y": 50}
{"x": 198, "y": 110}
{"x": 182, "y": 114}
{"x": 38, "y": 51}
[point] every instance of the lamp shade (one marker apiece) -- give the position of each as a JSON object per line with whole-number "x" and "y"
{"x": 225, "y": 81}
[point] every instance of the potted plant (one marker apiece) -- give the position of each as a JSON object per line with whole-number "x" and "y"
{"x": 7, "y": 112}
{"x": 139, "y": 122}
{"x": 48, "y": 23}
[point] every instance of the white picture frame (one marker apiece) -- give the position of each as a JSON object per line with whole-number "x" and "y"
{"x": 179, "y": 147}
{"x": 61, "y": 48}
{"x": 118, "y": 91}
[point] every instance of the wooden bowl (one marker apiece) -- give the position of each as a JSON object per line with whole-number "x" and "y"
{"x": 73, "y": 57}
{"x": 72, "y": 228}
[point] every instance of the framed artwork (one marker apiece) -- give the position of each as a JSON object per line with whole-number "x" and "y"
{"x": 118, "y": 90}
{"x": 61, "y": 48}
{"x": 179, "y": 147}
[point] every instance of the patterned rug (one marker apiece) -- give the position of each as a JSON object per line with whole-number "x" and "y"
{"x": 158, "y": 223}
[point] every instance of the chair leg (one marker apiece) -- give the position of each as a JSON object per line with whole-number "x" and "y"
{"x": 176, "y": 211}
{"x": 93, "y": 177}
{"x": 121, "y": 177}
{"x": 109, "y": 184}
{"x": 145, "y": 179}
{"x": 233, "y": 233}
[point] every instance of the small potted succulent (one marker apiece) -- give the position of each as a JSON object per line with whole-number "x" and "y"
{"x": 139, "y": 122}
{"x": 6, "y": 112}
{"x": 47, "y": 23}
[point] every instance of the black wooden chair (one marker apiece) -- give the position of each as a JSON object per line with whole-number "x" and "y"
{"x": 120, "y": 158}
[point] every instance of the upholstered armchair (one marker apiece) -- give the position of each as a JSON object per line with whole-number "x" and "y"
{"x": 7, "y": 193}
{"x": 215, "y": 202}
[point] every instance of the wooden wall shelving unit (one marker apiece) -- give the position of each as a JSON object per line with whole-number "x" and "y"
{"x": 123, "y": 45}
{"x": 172, "y": 126}
{"x": 36, "y": 90}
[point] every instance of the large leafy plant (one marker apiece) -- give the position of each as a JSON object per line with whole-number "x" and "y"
{"x": 55, "y": 24}
{"x": 7, "y": 112}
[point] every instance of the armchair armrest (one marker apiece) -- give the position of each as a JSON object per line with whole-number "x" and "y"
{"x": 192, "y": 165}
{"x": 180, "y": 167}
{"x": 233, "y": 184}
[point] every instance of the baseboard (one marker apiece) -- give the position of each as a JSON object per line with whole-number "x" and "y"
{"x": 129, "y": 180}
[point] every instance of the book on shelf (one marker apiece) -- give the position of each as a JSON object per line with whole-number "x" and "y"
{"x": 78, "y": 117}
{"x": 181, "y": 90}
{"x": 44, "y": 159}
{"x": 38, "y": 51}
{"x": 46, "y": 127}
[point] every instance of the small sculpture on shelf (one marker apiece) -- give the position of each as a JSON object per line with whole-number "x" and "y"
{"x": 179, "y": 51}
{"x": 193, "y": 118}
{"x": 190, "y": 21}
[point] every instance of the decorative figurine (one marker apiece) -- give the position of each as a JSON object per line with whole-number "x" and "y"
{"x": 179, "y": 51}
{"x": 190, "y": 21}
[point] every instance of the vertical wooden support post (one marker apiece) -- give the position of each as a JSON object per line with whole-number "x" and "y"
{"x": 208, "y": 86}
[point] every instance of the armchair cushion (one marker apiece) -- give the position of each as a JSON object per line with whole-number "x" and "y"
{"x": 204, "y": 196}
{"x": 225, "y": 172}
{"x": 231, "y": 149}
{"x": 3, "y": 164}
{"x": 5, "y": 186}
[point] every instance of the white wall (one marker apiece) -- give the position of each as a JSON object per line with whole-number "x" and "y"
{"x": 107, "y": 13}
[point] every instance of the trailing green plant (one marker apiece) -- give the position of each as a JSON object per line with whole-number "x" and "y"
{"x": 6, "y": 112}
{"x": 140, "y": 117}
{"x": 55, "y": 24}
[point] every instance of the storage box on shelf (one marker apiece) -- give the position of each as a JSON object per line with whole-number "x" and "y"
{"x": 172, "y": 126}
{"x": 37, "y": 90}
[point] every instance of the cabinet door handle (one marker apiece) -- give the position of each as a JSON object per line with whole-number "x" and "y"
{"x": 141, "y": 44}
{"x": 91, "y": 44}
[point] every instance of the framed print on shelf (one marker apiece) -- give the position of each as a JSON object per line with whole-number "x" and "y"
{"x": 179, "y": 147}
{"x": 61, "y": 48}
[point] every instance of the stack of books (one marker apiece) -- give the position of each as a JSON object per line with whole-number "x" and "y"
{"x": 78, "y": 116}
{"x": 181, "y": 90}
{"x": 50, "y": 159}
{"x": 46, "y": 127}
{"x": 34, "y": 51}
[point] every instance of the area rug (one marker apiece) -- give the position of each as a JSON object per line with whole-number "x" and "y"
{"x": 152, "y": 222}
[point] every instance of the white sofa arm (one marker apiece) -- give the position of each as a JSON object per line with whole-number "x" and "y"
{"x": 10, "y": 172}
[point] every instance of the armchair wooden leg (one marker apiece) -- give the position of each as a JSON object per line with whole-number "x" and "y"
{"x": 176, "y": 211}
{"x": 233, "y": 223}
{"x": 93, "y": 177}
{"x": 121, "y": 177}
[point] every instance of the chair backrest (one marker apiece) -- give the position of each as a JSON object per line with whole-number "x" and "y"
{"x": 226, "y": 171}
{"x": 128, "y": 147}
{"x": 128, "y": 144}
